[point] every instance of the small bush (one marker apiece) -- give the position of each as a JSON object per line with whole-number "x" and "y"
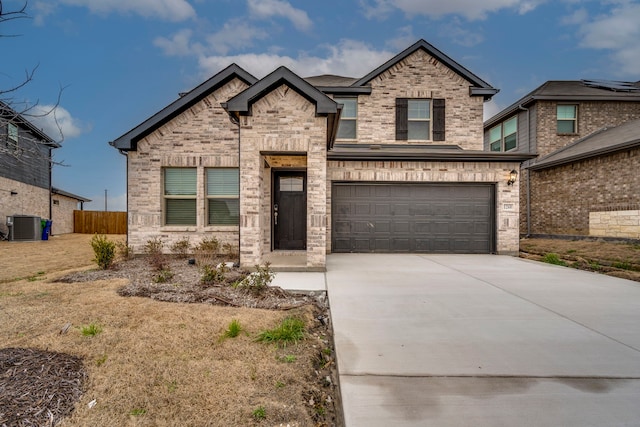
{"x": 260, "y": 413}
{"x": 230, "y": 250}
{"x": 181, "y": 248}
{"x": 125, "y": 251}
{"x": 206, "y": 251}
{"x": 90, "y": 330}
{"x": 212, "y": 276}
{"x": 104, "y": 251}
{"x": 257, "y": 281}
{"x": 153, "y": 248}
{"x": 552, "y": 258}
{"x": 291, "y": 330}
{"x": 163, "y": 275}
{"x": 623, "y": 265}
{"x": 233, "y": 330}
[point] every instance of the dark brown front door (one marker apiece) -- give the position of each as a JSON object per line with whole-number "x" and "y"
{"x": 289, "y": 210}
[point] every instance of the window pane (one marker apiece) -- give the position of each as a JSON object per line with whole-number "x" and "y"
{"x": 291, "y": 183}
{"x": 419, "y": 130}
{"x": 566, "y": 126}
{"x": 510, "y": 126}
{"x": 510, "y": 142}
{"x": 347, "y": 129}
{"x": 223, "y": 181}
{"x": 180, "y": 181}
{"x": 566, "y": 112}
{"x": 495, "y": 134}
{"x": 224, "y": 212}
{"x": 495, "y": 146}
{"x": 349, "y": 108}
{"x": 180, "y": 211}
{"x": 418, "y": 109}
{"x": 12, "y": 132}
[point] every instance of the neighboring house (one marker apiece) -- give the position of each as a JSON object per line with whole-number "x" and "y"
{"x": 547, "y": 120}
{"x": 63, "y": 205}
{"x": 390, "y": 162}
{"x": 25, "y": 175}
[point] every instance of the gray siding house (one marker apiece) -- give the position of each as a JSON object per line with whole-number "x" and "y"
{"x": 301, "y": 167}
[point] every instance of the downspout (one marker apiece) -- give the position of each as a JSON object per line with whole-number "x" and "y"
{"x": 520, "y": 107}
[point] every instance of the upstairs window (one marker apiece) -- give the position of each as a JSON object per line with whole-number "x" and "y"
{"x": 348, "y": 118}
{"x": 12, "y": 132}
{"x": 223, "y": 205}
{"x": 567, "y": 119}
{"x": 180, "y": 196}
{"x": 420, "y": 119}
{"x": 504, "y": 137}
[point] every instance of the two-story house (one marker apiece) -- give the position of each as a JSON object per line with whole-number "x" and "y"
{"x": 294, "y": 167}
{"x": 559, "y": 192}
{"x": 25, "y": 175}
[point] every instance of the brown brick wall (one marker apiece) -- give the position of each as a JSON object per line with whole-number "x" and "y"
{"x": 29, "y": 200}
{"x": 562, "y": 197}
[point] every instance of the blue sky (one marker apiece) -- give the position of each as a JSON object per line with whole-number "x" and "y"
{"x": 120, "y": 61}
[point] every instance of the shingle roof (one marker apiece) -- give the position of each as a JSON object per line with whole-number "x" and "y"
{"x": 129, "y": 140}
{"x": 331, "y": 80}
{"x": 55, "y": 190}
{"x": 565, "y": 90}
{"x": 606, "y": 140}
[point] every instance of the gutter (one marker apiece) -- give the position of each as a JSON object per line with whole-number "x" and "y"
{"x": 457, "y": 156}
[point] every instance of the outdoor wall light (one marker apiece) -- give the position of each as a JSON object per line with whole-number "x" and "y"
{"x": 512, "y": 177}
{"x": 13, "y": 193}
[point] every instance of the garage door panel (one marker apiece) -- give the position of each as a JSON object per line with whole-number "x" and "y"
{"x": 428, "y": 218}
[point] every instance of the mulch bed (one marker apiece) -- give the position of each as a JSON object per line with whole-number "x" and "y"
{"x": 38, "y": 388}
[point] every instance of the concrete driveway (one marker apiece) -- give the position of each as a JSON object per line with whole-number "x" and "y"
{"x": 481, "y": 340}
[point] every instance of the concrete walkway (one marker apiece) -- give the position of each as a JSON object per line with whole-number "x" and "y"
{"x": 475, "y": 340}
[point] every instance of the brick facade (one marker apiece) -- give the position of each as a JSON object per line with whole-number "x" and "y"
{"x": 563, "y": 197}
{"x": 62, "y": 214}
{"x": 28, "y": 200}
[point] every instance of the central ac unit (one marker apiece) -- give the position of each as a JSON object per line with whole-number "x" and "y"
{"x": 26, "y": 227}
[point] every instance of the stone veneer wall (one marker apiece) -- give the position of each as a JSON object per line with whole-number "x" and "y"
{"x": 200, "y": 137}
{"x": 63, "y": 214}
{"x": 615, "y": 224}
{"x": 30, "y": 200}
{"x": 507, "y": 239}
{"x": 282, "y": 122}
{"x": 419, "y": 76}
{"x": 563, "y": 197}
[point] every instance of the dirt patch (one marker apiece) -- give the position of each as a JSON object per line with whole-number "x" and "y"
{"x": 614, "y": 259}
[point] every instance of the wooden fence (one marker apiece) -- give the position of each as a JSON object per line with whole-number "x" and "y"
{"x": 91, "y": 222}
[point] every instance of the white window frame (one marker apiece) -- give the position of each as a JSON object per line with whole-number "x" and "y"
{"x": 428, "y": 119}
{"x": 354, "y": 118}
{"x": 230, "y": 196}
{"x": 502, "y": 139}
{"x": 13, "y": 132}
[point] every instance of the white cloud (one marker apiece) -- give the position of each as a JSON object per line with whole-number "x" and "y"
{"x": 269, "y": 8}
{"x": 235, "y": 34}
{"x": 470, "y": 9}
{"x": 41, "y": 10}
{"x": 491, "y": 108}
{"x": 619, "y": 32}
{"x": 348, "y": 58}
{"x": 460, "y": 34}
{"x": 170, "y": 10}
{"x": 179, "y": 44}
{"x": 54, "y": 121}
{"x": 404, "y": 39}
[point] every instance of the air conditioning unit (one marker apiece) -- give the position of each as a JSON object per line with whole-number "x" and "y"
{"x": 26, "y": 227}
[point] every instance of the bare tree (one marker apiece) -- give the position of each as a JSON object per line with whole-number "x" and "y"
{"x": 21, "y": 142}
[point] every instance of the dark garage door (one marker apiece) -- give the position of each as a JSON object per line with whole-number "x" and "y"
{"x": 428, "y": 218}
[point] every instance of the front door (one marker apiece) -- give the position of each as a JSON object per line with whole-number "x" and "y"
{"x": 289, "y": 210}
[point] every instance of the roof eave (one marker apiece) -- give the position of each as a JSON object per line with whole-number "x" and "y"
{"x": 345, "y": 90}
{"x": 584, "y": 156}
{"x": 455, "y": 156}
{"x": 487, "y": 93}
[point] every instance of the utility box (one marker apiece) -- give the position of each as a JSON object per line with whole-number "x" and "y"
{"x": 25, "y": 228}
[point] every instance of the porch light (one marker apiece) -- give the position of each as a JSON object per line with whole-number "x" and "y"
{"x": 513, "y": 175}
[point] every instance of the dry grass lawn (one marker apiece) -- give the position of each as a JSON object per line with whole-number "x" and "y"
{"x": 161, "y": 363}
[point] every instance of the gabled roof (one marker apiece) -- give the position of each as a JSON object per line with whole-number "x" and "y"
{"x": 566, "y": 91}
{"x": 55, "y": 190}
{"x": 605, "y": 141}
{"x": 478, "y": 86}
{"x": 8, "y": 113}
{"x": 242, "y": 102}
{"x": 129, "y": 140}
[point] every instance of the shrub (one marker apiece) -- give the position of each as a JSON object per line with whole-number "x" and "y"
{"x": 552, "y": 258}
{"x": 153, "y": 248}
{"x": 233, "y": 330}
{"x": 163, "y": 275}
{"x": 91, "y": 330}
{"x": 212, "y": 276}
{"x": 230, "y": 251}
{"x": 125, "y": 251}
{"x": 181, "y": 248}
{"x": 257, "y": 281}
{"x": 205, "y": 252}
{"x": 104, "y": 250}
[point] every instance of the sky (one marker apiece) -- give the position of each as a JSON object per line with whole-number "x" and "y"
{"x": 114, "y": 63}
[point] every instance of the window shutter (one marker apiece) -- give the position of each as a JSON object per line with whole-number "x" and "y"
{"x": 402, "y": 119}
{"x": 438, "y": 120}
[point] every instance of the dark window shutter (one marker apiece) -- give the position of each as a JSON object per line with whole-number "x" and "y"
{"x": 402, "y": 119}
{"x": 438, "y": 120}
